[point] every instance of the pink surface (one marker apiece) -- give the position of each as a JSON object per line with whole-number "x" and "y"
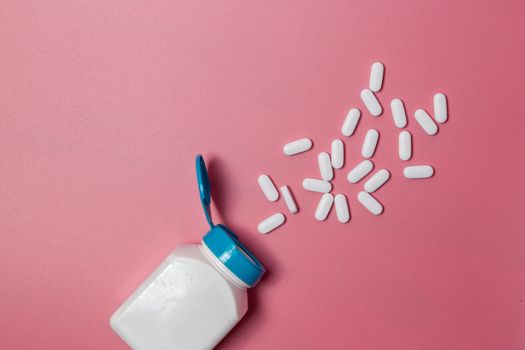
{"x": 104, "y": 105}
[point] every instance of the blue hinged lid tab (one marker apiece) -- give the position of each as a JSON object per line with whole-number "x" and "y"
{"x": 204, "y": 187}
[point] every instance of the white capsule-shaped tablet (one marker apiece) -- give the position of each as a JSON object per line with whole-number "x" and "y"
{"x": 371, "y": 102}
{"x": 341, "y": 208}
{"x": 350, "y": 123}
{"x": 271, "y": 223}
{"x": 370, "y": 143}
{"x": 440, "y": 108}
{"x": 297, "y": 146}
{"x": 268, "y": 188}
{"x": 426, "y": 122}
{"x": 325, "y": 166}
{"x": 418, "y": 171}
{"x": 376, "y": 76}
{"x": 377, "y": 180}
{"x": 316, "y": 185}
{"x": 405, "y": 145}
{"x": 288, "y": 199}
{"x": 338, "y": 154}
{"x": 324, "y": 206}
{"x": 360, "y": 171}
{"x": 398, "y": 113}
{"x": 370, "y": 203}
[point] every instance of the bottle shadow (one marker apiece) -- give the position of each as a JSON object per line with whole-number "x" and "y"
{"x": 218, "y": 174}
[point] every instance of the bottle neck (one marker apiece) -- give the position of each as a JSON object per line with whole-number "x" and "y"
{"x": 236, "y": 281}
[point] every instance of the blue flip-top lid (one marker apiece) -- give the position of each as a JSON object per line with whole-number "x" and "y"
{"x": 221, "y": 241}
{"x": 203, "y": 180}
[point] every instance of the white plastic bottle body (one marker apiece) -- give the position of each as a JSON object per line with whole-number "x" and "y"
{"x": 188, "y": 302}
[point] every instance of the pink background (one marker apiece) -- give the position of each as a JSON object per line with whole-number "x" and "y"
{"x": 104, "y": 105}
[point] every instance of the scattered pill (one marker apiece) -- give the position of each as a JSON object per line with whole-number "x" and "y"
{"x": 440, "y": 108}
{"x": 268, "y": 188}
{"x": 360, "y": 171}
{"x": 376, "y": 76}
{"x": 341, "y": 208}
{"x": 271, "y": 223}
{"x": 316, "y": 185}
{"x": 336, "y": 158}
{"x": 350, "y": 123}
{"x": 370, "y": 143}
{"x": 325, "y": 166}
{"x": 418, "y": 171}
{"x": 371, "y": 102}
{"x": 297, "y": 146}
{"x": 426, "y": 122}
{"x": 370, "y": 203}
{"x": 377, "y": 180}
{"x": 405, "y": 145}
{"x": 338, "y": 154}
{"x": 398, "y": 113}
{"x": 324, "y": 206}
{"x": 288, "y": 199}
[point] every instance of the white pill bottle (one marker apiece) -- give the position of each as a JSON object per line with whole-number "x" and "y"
{"x": 196, "y": 296}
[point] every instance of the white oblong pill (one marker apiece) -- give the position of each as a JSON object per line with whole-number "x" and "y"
{"x": 426, "y": 122}
{"x": 288, "y": 199}
{"x": 350, "y": 123}
{"x": 398, "y": 113}
{"x": 338, "y": 154}
{"x": 370, "y": 203}
{"x": 268, "y": 188}
{"x": 297, "y": 146}
{"x": 341, "y": 208}
{"x": 371, "y": 102}
{"x": 360, "y": 171}
{"x": 440, "y": 108}
{"x": 325, "y": 166}
{"x": 376, "y": 76}
{"x": 271, "y": 223}
{"x": 377, "y": 180}
{"x": 405, "y": 145}
{"x": 370, "y": 143}
{"x": 324, "y": 206}
{"x": 418, "y": 171}
{"x": 316, "y": 185}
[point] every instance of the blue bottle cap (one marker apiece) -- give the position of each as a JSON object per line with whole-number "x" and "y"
{"x": 222, "y": 242}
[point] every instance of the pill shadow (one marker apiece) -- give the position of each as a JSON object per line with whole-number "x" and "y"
{"x": 447, "y": 108}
